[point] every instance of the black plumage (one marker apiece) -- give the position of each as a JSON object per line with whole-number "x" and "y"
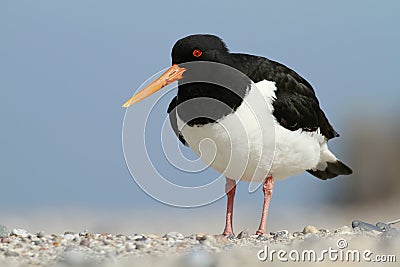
{"x": 295, "y": 106}
{"x": 173, "y": 121}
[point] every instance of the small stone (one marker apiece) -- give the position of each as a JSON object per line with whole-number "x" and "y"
{"x": 263, "y": 237}
{"x": 40, "y": 234}
{"x": 69, "y": 236}
{"x": 310, "y": 229}
{"x": 84, "y": 233}
{"x": 5, "y": 240}
{"x": 344, "y": 229}
{"x": 384, "y": 227}
{"x": 20, "y": 232}
{"x": 323, "y": 233}
{"x": 296, "y": 234}
{"x": 69, "y": 233}
{"x": 53, "y": 236}
{"x": 243, "y": 234}
{"x": 89, "y": 235}
{"x": 174, "y": 235}
{"x": 198, "y": 236}
{"x": 139, "y": 238}
{"x": 11, "y": 253}
{"x": 3, "y": 231}
{"x": 281, "y": 234}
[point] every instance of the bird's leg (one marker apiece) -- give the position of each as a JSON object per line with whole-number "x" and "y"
{"x": 268, "y": 186}
{"x": 230, "y": 189}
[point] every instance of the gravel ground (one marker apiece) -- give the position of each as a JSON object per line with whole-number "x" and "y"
{"x": 21, "y": 248}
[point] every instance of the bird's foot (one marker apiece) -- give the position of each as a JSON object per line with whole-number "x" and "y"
{"x": 260, "y": 232}
{"x": 228, "y": 233}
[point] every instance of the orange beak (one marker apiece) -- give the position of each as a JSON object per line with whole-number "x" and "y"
{"x": 173, "y": 74}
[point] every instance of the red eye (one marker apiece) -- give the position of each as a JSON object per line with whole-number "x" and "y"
{"x": 197, "y": 52}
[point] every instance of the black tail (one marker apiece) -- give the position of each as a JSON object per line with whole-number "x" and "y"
{"x": 332, "y": 170}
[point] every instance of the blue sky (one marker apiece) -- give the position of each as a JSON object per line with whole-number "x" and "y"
{"x": 67, "y": 66}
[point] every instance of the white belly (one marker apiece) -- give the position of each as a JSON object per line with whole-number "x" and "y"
{"x": 250, "y": 145}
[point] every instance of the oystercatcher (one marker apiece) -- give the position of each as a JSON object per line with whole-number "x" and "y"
{"x": 234, "y": 119}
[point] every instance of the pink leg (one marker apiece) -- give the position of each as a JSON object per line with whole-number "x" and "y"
{"x": 230, "y": 189}
{"x": 267, "y": 189}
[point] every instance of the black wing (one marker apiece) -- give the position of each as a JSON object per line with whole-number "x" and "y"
{"x": 296, "y": 105}
{"x": 173, "y": 120}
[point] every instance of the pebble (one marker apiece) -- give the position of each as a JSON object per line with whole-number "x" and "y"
{"x": 310, "y": 229}
{"x": 69, "y": 236}
{"x": 243, "y": 234}
{"x": 174, "y": 235}
{"x": 37, "y": 242}
{"x": 3, "y": 231}
{"x": 40, "y": 234}
{"x": 344, "y": 229}
{"x": 263, "y": 237}
{"x": 296, "y": 234}
{"x": 20, "y": 232}
{"x": 139, "y": 238}
{"x": 282, "y": 234}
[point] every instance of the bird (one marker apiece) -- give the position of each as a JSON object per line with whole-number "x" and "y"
{"x": 269, "y": 119}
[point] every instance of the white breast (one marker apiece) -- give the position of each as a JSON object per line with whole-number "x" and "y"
{"x": 249, "y": 144}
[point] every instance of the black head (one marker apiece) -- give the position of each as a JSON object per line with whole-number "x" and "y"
{"x": 200, "y": 47}
{"x": 214, "y": 90}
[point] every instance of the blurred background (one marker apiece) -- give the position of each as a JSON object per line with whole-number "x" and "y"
{"x": 67, "y": 67}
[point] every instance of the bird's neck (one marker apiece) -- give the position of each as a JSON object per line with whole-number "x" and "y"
{"x": 208, "y": 93}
